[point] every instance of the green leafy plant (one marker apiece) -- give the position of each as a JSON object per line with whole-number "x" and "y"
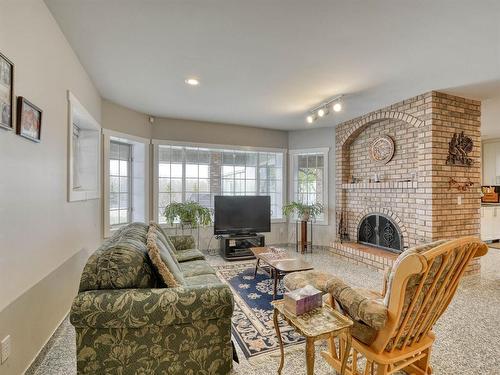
{"x": 188, "y": 213}
{"x": 303, "y": 211}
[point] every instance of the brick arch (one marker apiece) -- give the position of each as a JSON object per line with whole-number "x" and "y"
{"x": 358, "y": 126}
{"x": 390, "y": 214}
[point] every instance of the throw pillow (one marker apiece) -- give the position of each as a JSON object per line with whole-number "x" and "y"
{"x": 163, "y": 261}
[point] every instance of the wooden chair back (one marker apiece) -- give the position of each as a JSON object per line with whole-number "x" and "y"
{"x": 422, "y": 284}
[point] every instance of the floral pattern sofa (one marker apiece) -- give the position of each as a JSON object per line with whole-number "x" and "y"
{"x": 128, "y": 322}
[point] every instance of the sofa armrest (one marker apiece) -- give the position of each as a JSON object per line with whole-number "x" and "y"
{"x": 182, "y": 242}
{"x": 136, "y": 308}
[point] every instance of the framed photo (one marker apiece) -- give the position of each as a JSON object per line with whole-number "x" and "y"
{"x": 6, "y": 92}
{"x": 29, "y": 120}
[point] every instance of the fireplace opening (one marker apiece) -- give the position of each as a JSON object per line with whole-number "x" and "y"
{"x": 380, "y": 231}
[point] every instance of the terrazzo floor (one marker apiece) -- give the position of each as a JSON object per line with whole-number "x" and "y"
{"x": 468, "y": 334}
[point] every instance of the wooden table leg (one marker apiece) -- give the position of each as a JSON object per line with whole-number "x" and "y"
{"x": 275, "y": 286}
{"x": 347, "y": 351}
{"x": 256, "y": 267}
{"x": 310, "y": 355}
{"x": 280, "y": 340}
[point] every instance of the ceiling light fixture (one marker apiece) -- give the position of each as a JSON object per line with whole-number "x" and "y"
{"x": 324, "y": 109}
{"x": 192, "y": 81}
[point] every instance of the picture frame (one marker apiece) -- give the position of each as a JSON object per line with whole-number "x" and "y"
{"x": 6, "y": 93}
{"x": 29, "y": 120}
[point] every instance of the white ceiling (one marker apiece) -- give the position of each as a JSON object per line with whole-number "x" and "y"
{"x": 266, "y": 62}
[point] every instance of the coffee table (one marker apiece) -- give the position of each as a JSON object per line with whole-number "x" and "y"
{"x": 278, "y": 263}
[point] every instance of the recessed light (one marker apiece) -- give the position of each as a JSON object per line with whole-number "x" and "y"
{"x": 337, "y": 107}
{"x": 192, "y": 81}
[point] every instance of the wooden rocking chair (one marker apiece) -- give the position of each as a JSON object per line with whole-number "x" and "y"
{"x": 422, "y": 282}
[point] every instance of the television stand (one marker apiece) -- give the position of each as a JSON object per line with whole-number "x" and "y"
{"x": 237, "y": 246}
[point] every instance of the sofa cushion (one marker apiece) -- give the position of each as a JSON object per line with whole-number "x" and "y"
{"x": 163, "y": 237}
{"x": 182, "y": 242}
{"x": 120, "y": 262}
{"x": 166, "y": 266}
{"x": 196, "y": 267}
{"x": 188, "y": 255}
{"x": 162, "y": 240}
{"x": 202, "y": 280}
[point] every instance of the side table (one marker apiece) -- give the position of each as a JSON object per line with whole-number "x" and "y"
{"x": 323, "y": 323}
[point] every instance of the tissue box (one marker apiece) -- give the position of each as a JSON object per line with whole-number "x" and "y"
{"x": 303, "y": 300}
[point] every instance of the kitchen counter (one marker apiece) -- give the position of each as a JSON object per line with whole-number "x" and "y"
{"x": 490, "y": 204}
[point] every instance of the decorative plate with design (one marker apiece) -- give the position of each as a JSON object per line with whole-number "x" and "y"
{"x": 382, "y": 149}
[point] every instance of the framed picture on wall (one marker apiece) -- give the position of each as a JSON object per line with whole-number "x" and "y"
{"x": 6, "y": 92}
{"x": 29, "y": 120}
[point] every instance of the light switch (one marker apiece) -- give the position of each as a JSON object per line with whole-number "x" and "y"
{"x": 459, "y": 200}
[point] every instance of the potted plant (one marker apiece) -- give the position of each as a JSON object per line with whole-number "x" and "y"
{"x": 304, "y": 211}
{"x": 188, "y": 213}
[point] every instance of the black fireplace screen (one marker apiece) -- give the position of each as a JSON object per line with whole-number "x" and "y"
{"x": 380, "y": 231}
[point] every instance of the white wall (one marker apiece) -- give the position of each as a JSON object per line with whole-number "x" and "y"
{"x": 312, "y": 138}
{"x": 490, "y": 118}
{"x": 41, "y": 234}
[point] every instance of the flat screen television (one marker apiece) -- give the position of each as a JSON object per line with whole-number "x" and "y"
{"x": 242, "y": 214}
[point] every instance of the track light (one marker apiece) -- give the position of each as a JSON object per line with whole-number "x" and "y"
{"x": 324, "y": 109}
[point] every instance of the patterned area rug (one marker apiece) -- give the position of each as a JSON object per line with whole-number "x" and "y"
{"x": 253, "y": 326}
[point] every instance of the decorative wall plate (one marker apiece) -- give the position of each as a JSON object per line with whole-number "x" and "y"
{"x": 382, "y": 149}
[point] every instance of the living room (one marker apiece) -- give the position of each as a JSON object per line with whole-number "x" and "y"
{"x": 194, "y": 166}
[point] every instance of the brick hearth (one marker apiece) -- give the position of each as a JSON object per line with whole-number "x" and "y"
{"x": 414, "y": 191}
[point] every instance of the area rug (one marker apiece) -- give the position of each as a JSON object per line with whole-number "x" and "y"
{"x": 252, "y": 323}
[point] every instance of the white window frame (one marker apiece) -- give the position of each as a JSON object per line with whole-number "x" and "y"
{"x": 293, "y": 155}
{"x": 89, "y": 156}
{"x": 161, "y": 142}
{"x": 109, "y": 135}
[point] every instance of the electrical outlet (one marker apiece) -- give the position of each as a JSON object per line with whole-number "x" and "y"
{"x": 459, "y": 200}
{"x": 5, "y": 349}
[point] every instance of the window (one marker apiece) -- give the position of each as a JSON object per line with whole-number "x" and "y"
{"x": 76, "y": 154}
{"x": 120, "y": 161}
{"x": 309, "y": 177}
{"x": 186, "y": 173}
{"x": 126, "y": 180}
{"x": 84, "y": 153}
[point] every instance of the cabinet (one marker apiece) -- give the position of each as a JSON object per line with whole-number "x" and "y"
{"x": 491, "y": 162}
{"x": 490, "y": 223}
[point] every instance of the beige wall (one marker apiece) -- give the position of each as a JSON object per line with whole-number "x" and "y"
{"x": 40, "y": 232}
{"x": 124, "y": 120}
{"x": 209, "y": 132}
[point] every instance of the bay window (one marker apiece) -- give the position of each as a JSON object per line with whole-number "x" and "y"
{"x": 198, "y": 173}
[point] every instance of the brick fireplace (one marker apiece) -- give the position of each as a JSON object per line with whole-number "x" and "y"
{"x": 408, "y": 197}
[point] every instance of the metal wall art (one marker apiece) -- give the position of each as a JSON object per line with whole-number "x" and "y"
{"x": 459, "y": 148}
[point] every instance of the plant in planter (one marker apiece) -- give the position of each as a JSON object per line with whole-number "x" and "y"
{"x": 188, "y": 213}
{"x": 304, "y": 211}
